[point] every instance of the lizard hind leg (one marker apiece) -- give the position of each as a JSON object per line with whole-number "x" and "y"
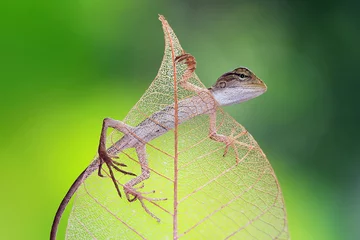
{"x": 131, "y": 192}
{"x": 104, "y": 157}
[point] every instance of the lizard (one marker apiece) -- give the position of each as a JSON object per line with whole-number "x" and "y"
{"x": 230, "y": 88}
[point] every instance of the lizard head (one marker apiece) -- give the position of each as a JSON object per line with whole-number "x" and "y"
{"x": 237, "y": 86}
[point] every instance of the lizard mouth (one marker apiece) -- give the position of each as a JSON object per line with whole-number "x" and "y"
{"x": 258, "y": 86}
{"x": 255, "y": 86}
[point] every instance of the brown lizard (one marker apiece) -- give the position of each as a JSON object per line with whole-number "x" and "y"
{"x": 232, "y": 87}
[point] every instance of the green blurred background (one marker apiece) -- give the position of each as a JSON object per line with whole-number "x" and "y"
{"x": 65, "y": 65}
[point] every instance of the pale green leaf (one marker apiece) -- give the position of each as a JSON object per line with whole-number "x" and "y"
{"x": 217, "y": 198}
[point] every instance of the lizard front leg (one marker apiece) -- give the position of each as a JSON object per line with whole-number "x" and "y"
{"x": 103, "y": 155}
{"x": 228, "y": 140}
{"x": 191, "y": 66}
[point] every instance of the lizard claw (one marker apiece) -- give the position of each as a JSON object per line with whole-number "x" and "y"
{"x": 230, "y": 142}
{"x": 105, "y": 158}
{"x": 141, "y": 186}
{"x": 113, "y": 156}
{"x": 119, "y": 164}
{"x": 99, "y": 169}
{"x": 189, "y": 60}
{"x": 182, "y": 57}
{"x": 111, "y": 164}
{"x": 132, "y": 194}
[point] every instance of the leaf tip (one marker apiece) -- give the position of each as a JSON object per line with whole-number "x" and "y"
{"x": 162, "y": 18}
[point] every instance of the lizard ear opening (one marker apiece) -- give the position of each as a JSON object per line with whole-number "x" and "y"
{"x": 222, "y": 84}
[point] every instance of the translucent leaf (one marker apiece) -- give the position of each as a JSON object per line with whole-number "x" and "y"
{"x": 208, "y": 196}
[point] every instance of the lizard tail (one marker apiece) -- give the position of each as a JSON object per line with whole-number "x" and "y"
{"x": 80, "y": 179}
{"x": 119, "y": 146}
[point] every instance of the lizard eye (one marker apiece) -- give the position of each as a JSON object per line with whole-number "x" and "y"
{"x": 222, "y": 84}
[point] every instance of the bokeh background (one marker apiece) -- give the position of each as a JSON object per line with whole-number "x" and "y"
{"x": 65, "y": 65}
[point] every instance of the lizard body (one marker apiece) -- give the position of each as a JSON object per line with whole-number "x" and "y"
{"x": 233, "y": 87}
